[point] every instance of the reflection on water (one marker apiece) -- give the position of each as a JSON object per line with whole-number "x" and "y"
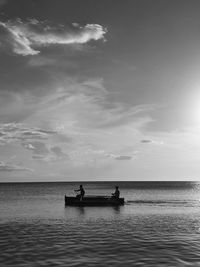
{"x": 92, "y": 212}
{"x": 156, "y": 227}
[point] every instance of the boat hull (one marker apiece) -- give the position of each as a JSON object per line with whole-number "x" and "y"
{"x": 93, "y": 201}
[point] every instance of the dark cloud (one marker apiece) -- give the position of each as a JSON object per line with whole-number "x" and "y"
{"x": 39, "y": 157}
{"x": 146, "y": 141}
{"x": 154, "y": 142}
{"x": 123, "y": 157}
{"x": 26, "y": 37}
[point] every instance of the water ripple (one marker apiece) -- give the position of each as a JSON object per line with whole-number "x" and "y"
{"x": 131, "y": 242}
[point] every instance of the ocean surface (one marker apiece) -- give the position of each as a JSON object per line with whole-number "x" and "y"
{"x": 159, "y": 225}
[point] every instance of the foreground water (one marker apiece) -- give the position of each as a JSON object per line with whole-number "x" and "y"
{"x": 158, "y": 226}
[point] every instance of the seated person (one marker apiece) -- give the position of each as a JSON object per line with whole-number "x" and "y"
{"x": 117, "y": 193}
{"x": 82, "y": 192}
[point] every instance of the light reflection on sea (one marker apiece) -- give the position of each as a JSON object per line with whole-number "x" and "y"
{"x": 158, "y": 226}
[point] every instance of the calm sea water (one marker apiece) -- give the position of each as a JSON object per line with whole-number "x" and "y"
{"x": 158, "y": 226}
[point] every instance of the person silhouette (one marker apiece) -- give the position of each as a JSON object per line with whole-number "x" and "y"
{"x": 116, "y": 194}
{"x": 82, "y": 192}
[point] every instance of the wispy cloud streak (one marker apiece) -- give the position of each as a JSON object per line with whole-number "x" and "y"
{"x": 26, "y": 37}
{"x": 12, "y": 132}
{"x": 7, "y": 167}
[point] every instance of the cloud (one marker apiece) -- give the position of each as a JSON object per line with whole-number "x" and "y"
{"x": 83, "y": 126}
{"x": 119, "y": 157}
{"x": 51, "y": 156}
{"x": 7, "y": 167}
{"x": 146, "y": 141}
{"x": 40, "y": 151}
{"x": 34, "y": 139}
{"x": 123, "y": 158}
{"x": 27, "y": 37}
{"x": 149, "y": 141}
{"x": 38, "y": 148}
{"x": 12, "y": 132}
{"x": 58, "y": 152}
{"x": 87, "y": 105}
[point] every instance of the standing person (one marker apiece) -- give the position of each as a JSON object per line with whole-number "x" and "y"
{"x": 117, "y": 193}
{"x": 82, "y": 192}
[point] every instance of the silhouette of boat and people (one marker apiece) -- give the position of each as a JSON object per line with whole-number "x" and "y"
{"x": 82, "y": 199}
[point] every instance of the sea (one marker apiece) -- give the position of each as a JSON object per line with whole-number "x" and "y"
{"x": 159, "y": 225}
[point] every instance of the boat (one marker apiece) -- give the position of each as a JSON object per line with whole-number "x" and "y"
{"x": 94, "y": 201}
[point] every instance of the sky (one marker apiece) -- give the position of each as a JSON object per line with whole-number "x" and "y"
{"x": 99, "y": 90}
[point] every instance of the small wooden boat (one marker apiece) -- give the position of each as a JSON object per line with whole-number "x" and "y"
{"x": 94, "y": 201}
